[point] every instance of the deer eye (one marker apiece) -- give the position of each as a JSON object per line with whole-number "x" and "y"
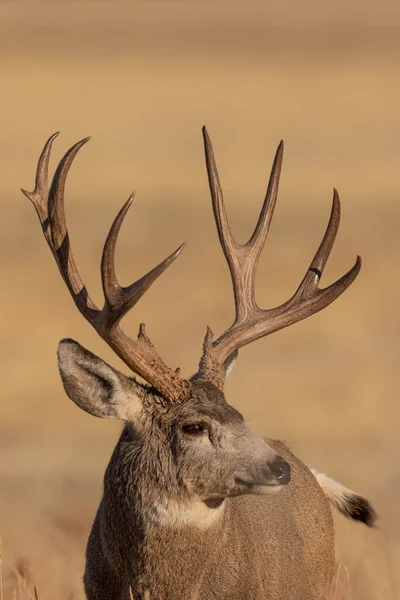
{"x": 193, "y": 428}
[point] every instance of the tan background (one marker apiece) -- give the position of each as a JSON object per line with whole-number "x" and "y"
{"x": 142, "y": 80}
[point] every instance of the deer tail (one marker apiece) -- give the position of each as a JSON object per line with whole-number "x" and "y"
{"x": 350, "y": 504}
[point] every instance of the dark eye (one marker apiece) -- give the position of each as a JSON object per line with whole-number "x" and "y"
{"x": 193, "y": 428}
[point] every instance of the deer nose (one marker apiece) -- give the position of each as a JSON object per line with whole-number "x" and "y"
{"x": 281, "y": 470}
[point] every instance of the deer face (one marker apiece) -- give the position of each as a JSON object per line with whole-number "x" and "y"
{"x": 216, "y": 454}
{"x": 205, "y": 450}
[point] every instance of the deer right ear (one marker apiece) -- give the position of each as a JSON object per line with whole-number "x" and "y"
{"x": 95, "y": 386}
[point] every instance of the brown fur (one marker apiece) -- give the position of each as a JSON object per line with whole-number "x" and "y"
{"x": 265, "y": 547}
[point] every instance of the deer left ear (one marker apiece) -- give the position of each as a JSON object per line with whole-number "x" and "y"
{"x": 95, "y": 386}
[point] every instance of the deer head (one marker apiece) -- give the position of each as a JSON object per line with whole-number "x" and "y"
{"x": 190, "y": 440}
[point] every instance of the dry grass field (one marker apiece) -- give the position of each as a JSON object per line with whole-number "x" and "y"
{"x": 142, "y": 79}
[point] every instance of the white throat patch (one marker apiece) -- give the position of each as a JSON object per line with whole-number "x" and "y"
{"x": 170, "y": 513}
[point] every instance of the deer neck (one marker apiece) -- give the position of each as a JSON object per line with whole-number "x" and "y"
{"x": 163, "y": 542}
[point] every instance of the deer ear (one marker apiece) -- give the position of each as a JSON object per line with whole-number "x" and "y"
{"x": 96, "y": 387}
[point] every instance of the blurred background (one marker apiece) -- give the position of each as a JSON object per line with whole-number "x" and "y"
{"x": 141, "y": 80}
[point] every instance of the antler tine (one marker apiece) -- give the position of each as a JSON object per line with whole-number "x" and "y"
{"x": 252, "y": 322}
{"x": 260, "y": 233}
{"x": 309, "y": 286}
{"x": 42, "y": 172}
{"x": 39, "y": 196}
{"x": 140, "y": 354}
{"x": 226, "y": 238}
{"x": 316, "y": 268}
{"x": 119, "y": 300}
{"x": 60, "y": 237}
{"x": 231, "y": 249}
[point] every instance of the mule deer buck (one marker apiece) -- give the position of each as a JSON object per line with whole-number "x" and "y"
{"x": 195, "y": 505}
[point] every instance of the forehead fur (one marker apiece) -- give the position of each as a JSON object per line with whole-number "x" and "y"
{"x": 208, "y": 400}
{"x": 205, "y": 399}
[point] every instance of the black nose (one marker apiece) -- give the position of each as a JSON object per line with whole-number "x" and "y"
{"x": 281, "y": 470}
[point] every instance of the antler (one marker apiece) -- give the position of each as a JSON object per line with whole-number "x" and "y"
{"x": 139, "y": 354}
{"x": 252, "y": 322}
